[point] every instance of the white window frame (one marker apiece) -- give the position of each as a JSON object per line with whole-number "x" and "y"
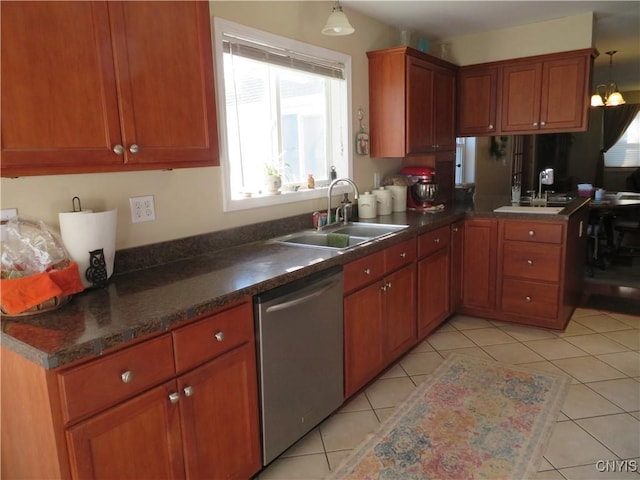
{"x": 221, "y": 26}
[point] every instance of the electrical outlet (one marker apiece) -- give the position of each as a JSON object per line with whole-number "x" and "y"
{"x": 142, "y": 209}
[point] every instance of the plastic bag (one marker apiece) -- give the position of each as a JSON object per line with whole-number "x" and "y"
{"x": 29, "y": 247}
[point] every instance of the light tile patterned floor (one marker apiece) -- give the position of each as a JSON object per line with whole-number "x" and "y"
{"x": 600, "y": 419}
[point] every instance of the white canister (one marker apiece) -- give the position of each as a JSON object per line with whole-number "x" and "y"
{"x": 384, "y": 201}
{"x": 399, "y": 196}
{"x": 367, "y": 205}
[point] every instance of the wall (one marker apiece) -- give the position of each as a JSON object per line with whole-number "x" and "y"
{"x": 188, "y": 201}
{"x": 559, "y": 35}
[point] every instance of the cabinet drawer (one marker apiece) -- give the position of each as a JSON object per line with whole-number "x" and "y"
{"x": 533, "y": 232}
{"x": 431, "y": 241}
{"x": 363, "y": 271}
{"x": 399, "y": 255}
{"x": 98, "y": 384}
{"x": 530, "y": 299}
{"x": 212, "y": 336}
{"x": 532, "y": 262}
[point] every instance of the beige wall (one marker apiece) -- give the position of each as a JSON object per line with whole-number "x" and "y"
{"x": 559, "y": 35}
{"x": 189, "y": 201}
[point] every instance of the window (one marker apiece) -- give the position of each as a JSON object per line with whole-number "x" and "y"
{"x": 626, "y": 152}
{"x": 284, "y": 106}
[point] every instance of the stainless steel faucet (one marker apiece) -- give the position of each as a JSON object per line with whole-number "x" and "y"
{"x": 545, "y": 178}
{"x": 331, "y": 185}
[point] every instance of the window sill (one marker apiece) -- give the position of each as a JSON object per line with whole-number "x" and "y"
{"x": 236, "y": 204}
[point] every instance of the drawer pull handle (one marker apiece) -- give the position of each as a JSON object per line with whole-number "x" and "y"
{"x": 527, "y": 298}
{"x": 529, "y": 262}
{"x": 219, "y": 336}
{"x": 531, "y": 233}
{"x": 174, "y": 397}
{"x": 127, "y": 377}
{"x": 188, "y": 391}
{"x": 403, "y": 255}
{"x": 367, "y": 271}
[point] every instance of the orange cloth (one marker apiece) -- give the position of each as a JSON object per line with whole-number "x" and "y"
{"x": 20, "y": 294}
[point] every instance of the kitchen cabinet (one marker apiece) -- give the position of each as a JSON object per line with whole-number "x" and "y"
{"x": 479, "y": 264}
{"x": 538, "y": 264}
{"x": 477, "y": 100}
{"x": 457, "y": 249}
{"x": 106, "y": 86}
{"x": 414, "y": 93}
{"x": 547, "y": 94}
{"x": 379, "y": 312}
{"x": 155, "y": 409}
{"x": 434, "y": 278}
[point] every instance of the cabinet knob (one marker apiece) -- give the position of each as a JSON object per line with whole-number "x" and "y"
{"x": 527, "y": 298}
{"x": 383, "y": 287}
{"x": 188, "y": 390}
{"x": 543, "y": 123}
{"x": 535, "y": 124}
{"x": 490, "y": 127}
{"x": 367, "y": 271}
{"x": 436, "y": 240}
{"x": 388, "y": 285}
{"x": 174, "y": 397}
{"x": 529, "y": 262}
{"x": 403, "y": 255}
{"x": 455, "y": 229}
{"x": 219, "y": 336}
{"x": 134, "y": 148}
{"x": 531, "y": 233}
{"x": 127, "y": 376}
{"x": 118, "y": 149}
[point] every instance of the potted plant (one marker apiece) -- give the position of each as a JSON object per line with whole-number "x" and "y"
{"x": 273, "y": 175}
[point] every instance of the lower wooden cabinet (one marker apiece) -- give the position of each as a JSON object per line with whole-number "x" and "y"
{"x": 433, "y": 280}
{"x": 380, "y": 317}
{"x": 480, "y": 265}
{"x": 162, "y": 415}
{"x": 457, "y": 249}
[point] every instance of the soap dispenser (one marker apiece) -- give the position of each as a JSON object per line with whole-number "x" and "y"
{"x": 346, "y": 207}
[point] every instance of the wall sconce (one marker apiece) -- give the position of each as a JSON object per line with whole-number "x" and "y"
{"x": 337, "y": 23}
{"x": 607, "y": 95}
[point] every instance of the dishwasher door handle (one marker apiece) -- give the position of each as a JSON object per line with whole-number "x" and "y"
{"x": 318, "y": 290}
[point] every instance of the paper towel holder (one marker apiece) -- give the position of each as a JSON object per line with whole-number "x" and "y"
{"x": 75, "y": 200}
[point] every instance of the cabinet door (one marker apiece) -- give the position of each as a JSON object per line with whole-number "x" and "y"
{"x": 479, "y": 260}
{"x": 420, "y": 107}
{"x": 433, "y": 291}
{"x": 137, "y": 439}
{"x": 477, "y": 101}
{"x": 564, "y": 94}
{"x": 363, "y": 328}
{"x": 445, "y": 176}
{"x": 521, "y": 96}
{"x": 457, "y": 240}
{"x": 400, "y": 312}
{"x": 219, "y": 410}
{"x": 445, "y": 104}
{"x": 59, "y": 99}
{"x": 164, "y": 61}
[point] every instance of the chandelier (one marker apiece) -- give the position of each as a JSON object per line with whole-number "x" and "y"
{"x": 337, "y": 23}
{"x": 607, "y": 95}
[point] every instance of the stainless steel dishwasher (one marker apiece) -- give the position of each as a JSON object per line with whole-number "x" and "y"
{"x": 299, "y": 330}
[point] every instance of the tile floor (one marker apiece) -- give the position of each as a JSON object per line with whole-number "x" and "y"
{"x": 600, "y": 419}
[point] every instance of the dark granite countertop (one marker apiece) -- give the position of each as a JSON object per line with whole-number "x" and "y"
{"x": 152, "y": 300}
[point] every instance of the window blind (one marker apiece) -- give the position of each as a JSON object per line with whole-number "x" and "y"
{"x": 626, "y": 152}
{"x": 285, "y": 58}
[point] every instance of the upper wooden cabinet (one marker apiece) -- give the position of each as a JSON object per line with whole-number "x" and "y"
{"x": 546, "y": 95}
{"x": 477, "y": 97}
{"x": 543, "y": 94}
{"x": 411, "y": 103}
{"x": 106, "y": 86}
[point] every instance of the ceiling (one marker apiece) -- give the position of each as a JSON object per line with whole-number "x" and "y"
{"x": 617, "y": 25}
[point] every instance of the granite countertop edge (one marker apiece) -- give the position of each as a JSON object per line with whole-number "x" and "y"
{"x": 152, "y": 301}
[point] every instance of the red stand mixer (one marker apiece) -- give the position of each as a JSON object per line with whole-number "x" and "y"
{"x": 422, "y": 190}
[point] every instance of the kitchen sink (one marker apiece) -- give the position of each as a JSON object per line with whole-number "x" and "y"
{"x": 358, "y": 233}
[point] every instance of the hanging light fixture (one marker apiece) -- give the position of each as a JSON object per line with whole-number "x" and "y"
{"x": 337, "y": 23}
{"x": 607, "y": 95}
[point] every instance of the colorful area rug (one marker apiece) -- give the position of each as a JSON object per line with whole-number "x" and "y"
{"x": 473, "y": 418}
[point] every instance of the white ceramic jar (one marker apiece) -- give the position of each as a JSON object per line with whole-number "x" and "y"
{"x": 384, "y": 201}
{"x": 367, "y": 205}
{"x": 399, "y": 197}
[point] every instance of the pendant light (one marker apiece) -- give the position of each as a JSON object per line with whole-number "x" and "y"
{"x": 337, "y": 23}
{"x": 607, "y": 95}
